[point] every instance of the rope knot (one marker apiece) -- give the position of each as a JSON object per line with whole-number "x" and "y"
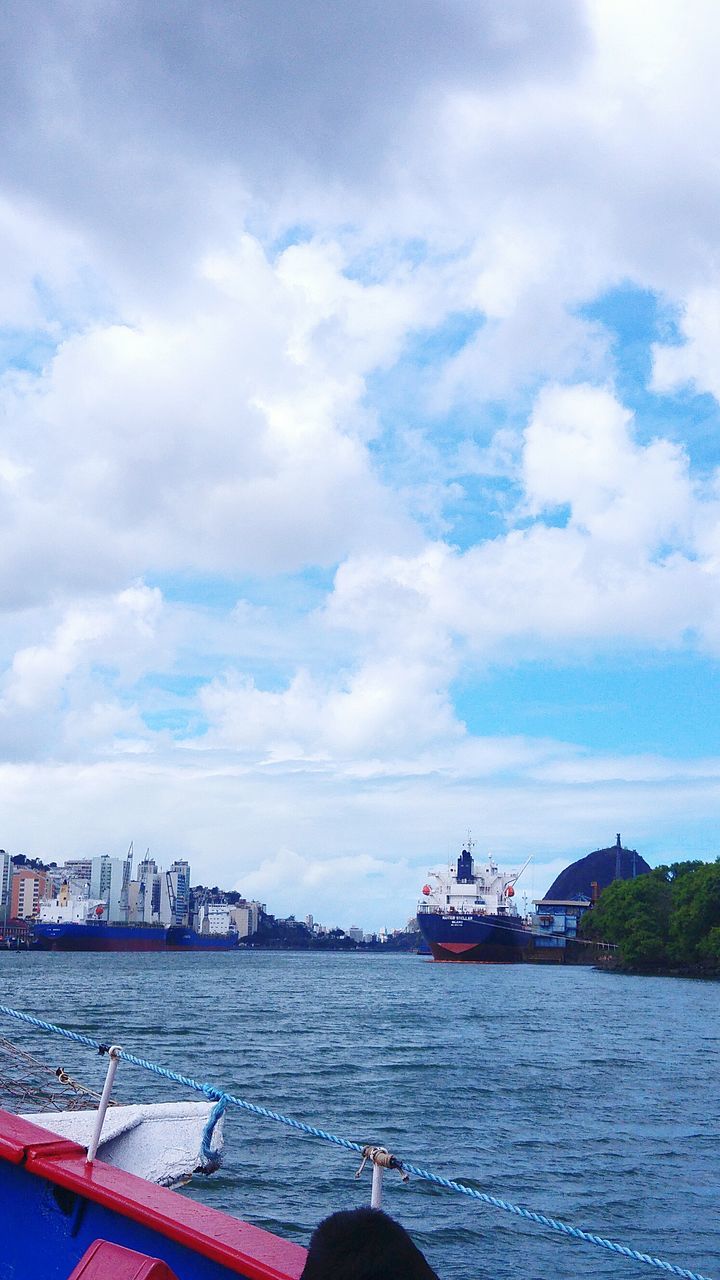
{"x": 215, "y": 1095}
{"x": 384, "y": 1158}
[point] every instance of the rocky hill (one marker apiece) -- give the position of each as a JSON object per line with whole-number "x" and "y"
{"x": 602, "y": 866}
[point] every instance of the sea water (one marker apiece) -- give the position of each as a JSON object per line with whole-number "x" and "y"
{"x": 587, "y": 1096}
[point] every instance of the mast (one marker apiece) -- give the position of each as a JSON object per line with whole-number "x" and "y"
{"x": 518, "y": 874}
{"x": 127, "y": 874}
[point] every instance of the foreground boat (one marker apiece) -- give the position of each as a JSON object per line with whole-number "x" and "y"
{"x": 471, "y": 915}
{"x": 159, "y": 1141}
{"x": 164, "y": 1142}
{"x": 63, "y": 1218}
{"x": 55, "y": 1197}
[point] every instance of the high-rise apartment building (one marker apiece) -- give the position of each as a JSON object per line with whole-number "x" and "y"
{"x": 175, "y": 894}
{"x": 27, "y": 889}
{"x": 245, "y": 917}
{"x": 107, "y": 885}
{"x": 5, "y": 878}
{"x": 145, "y": 893}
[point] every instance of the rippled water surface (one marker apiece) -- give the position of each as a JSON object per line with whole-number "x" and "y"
{"x": 586, "y": 1096}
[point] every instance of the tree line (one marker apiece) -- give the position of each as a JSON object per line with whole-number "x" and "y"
{"x": 668, "y": 918}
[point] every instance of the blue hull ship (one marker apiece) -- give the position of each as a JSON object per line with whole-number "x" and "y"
{"x": 468, "y": 914}
{"x": 498, "y": 939}
{"x": 98, "y": 935}
{"x": 182, "y": 938}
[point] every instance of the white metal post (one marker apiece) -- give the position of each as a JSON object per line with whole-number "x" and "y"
{"x": 114, "y": 1057}
{"x": 377, "y": 1181}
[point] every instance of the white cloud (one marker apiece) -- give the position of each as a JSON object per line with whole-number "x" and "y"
{"x": 223, "y": 263}
{"x": 229, "y": 439}
{"x": 361, "y": 851}
{"x": 44, "y": 277}
{"x": 383, "y": 708}
{"x": 579, "y": 450}
{"x": 374, "y": 888}
{"x": 119, "y": 633}
{"x": 629, "y": 563}
{"x": 697, "y": 360}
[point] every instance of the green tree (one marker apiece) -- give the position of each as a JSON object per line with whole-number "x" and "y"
{"x": 695, "y": 914}
{"x": 709, "y": 948}
{"x": 634, "y": 914}
{"x": 670, "y": 916}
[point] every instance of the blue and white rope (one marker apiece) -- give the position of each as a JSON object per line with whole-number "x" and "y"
{"x": 224, "y": 1100}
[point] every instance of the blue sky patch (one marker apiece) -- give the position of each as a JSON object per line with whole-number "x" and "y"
{"x": 630, "y": 702}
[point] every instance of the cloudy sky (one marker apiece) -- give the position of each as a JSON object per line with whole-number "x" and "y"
{"x": 359, "y": 474}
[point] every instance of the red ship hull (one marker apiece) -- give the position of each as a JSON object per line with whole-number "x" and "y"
{"x": 475, "y": 953}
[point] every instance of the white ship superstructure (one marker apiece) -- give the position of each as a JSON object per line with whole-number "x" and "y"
{"x": 70, "y": 908}
{"x": 472, "y": 890}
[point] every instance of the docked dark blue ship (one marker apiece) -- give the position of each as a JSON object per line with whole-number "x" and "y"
{"x": 99, "y": 935}
{"x": 471, "y": 915}
{"x": 183, "y": 938}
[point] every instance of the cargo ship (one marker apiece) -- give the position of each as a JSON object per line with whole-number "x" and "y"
{"x": 97, "y": 935}
{"x": 471, "y": 915}
{"x": 100, "y": 935}
{"x": 182, "y": 938}
{"x": 80, "y": 923}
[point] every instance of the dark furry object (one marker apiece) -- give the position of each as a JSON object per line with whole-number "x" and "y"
{"x": 364, "y": 1244}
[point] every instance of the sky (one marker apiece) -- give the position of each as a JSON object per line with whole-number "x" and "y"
{"x": 359, "y": 423}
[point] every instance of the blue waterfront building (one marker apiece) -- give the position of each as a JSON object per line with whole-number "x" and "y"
{"x": 555, "y": 921}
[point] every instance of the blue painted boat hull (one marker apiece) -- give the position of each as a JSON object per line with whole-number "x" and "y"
{"x": 54, "y": 1208}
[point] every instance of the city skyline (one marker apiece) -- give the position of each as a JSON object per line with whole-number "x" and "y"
{"x": 71, "y": 890}
{"x": 359, "y": 419}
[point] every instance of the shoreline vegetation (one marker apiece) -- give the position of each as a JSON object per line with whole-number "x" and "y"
{"x": 294, "y": 935}
{"x": 664, "y": 923}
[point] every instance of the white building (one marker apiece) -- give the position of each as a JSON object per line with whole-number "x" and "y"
{"x": 134, "y": 913}
{"x": 5, "y": 877}
{"x": 175, "y": 894}
{"x": 77, "y": 871}
{"x": 144, "y": 894}
{"x": 215, "y": 917}
{"x": 355, "y": 933}
{"x": 245, "y": 918}
{"x": 106, "y": 885}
